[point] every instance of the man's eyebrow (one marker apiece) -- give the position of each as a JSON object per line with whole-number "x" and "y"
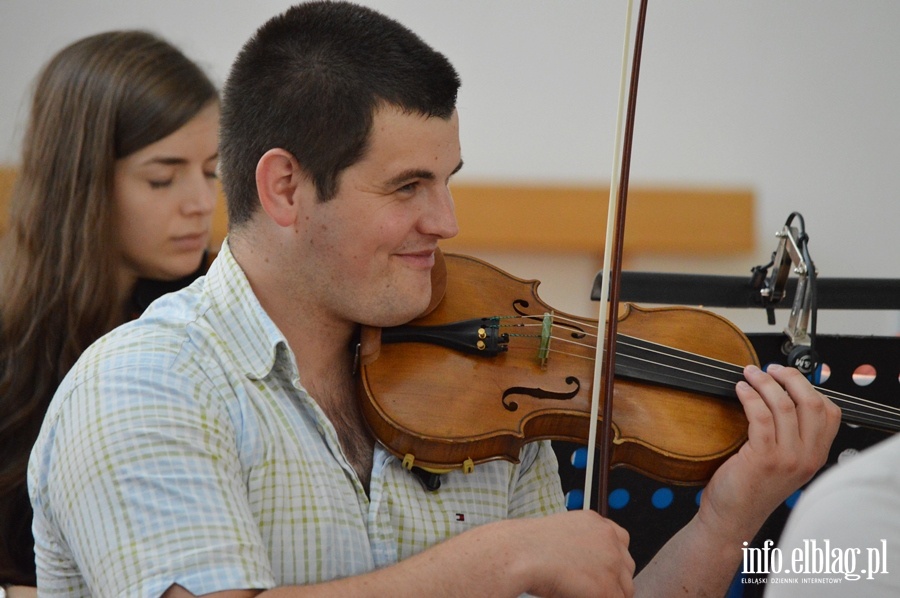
{"x": 417, "y": 173}
{"x": 406, "y": 175}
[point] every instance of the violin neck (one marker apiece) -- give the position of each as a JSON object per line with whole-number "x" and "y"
{"x": 644, "y": 361}
{"x": 864, "y": 412}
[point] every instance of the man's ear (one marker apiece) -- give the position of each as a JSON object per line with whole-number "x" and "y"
{"x": 282, "y": 185}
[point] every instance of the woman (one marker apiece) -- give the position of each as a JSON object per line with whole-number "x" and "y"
{"x": 111, "y": 208}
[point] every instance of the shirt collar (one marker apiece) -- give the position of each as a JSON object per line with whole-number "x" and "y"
{"x": 243, "y": 323}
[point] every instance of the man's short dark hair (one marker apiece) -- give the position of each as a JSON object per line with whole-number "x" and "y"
{"x": 309, "y": 81}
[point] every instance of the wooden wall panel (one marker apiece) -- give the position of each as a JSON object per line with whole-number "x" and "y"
{"x": 542, "y": 218}
{"x": 547, "y": 218}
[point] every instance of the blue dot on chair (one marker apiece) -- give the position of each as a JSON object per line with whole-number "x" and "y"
{"x": 618, "y": 498}
{"x": 579, "y": 458}
{"x": 574, "y": 499}
{"x": 792, "y": 499}
{"x": 662, "y": 498}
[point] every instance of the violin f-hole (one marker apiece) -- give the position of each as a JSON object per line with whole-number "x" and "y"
{"x": 540, "y": 393}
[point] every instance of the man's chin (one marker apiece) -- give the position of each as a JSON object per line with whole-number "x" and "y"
{"x": 398, "y": 315}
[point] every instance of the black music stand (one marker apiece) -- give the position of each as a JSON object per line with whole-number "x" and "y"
{"x": 654, "y": 511}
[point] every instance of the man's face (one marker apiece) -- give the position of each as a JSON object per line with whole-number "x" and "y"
{"x": 370, "y": 249}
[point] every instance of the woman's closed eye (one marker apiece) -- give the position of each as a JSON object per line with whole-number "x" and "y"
{"x": 160, "y": 184}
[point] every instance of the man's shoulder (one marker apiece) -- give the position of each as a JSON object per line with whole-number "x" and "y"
{"x": 174, "y": 337}
{"x": 170, "y": 322}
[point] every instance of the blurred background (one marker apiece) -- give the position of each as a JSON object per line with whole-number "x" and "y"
{"x": 767, "y": 107}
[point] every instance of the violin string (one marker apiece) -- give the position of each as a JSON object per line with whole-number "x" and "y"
{"x": 863, "y": 410}
{"x": 870, "y": 411}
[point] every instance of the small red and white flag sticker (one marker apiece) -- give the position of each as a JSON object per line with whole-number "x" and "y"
{"x": 460, "y": 516}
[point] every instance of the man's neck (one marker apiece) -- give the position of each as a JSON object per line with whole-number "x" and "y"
{"x": 322, "y": 348}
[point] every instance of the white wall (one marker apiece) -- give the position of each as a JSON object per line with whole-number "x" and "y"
{"x": 798, "y": 100}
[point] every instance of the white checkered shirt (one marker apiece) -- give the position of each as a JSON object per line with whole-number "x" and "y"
{"x": 182, "y": 448}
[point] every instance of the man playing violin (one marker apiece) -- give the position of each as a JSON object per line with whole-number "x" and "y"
{"x": 216, "y": 446}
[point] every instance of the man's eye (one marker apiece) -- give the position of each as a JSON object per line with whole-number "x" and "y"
{"x": 408, "y": 188}
{"x": 160, "y": 184}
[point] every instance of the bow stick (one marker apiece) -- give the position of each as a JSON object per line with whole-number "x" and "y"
{"x": 604, "y": 363}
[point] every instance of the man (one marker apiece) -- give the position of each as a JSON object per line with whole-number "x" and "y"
{"x": 216, "y": 445}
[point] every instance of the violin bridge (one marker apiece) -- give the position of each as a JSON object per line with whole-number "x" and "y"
{"x": 544, "y": 350}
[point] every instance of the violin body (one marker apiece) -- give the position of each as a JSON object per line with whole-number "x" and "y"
{"x": 441, "y": 409}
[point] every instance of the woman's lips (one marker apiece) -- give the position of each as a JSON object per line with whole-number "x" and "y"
{"x": 192, "y": 242}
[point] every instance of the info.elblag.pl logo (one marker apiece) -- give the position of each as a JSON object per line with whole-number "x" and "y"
{"x": 815, "y": 562}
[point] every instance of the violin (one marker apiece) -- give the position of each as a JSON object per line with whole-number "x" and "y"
{"x": 491, "y": 367}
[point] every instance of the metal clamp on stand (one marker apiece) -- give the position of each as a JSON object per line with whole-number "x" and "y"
{"x": 769, "y": 291}
{"x": 792, "y": 255}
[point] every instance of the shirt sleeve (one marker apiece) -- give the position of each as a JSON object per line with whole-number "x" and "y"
{"x": 537, "y": 489}
{"x": 143, "y": 483}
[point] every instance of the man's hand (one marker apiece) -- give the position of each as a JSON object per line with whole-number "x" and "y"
{"x": 578, "y": 553}
{"x": 791, "y": 427}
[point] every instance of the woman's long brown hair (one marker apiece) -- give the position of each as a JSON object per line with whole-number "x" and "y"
{"x": 98, "y": 100}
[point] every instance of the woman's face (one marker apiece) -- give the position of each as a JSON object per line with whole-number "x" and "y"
{"x": 164, "y": 197}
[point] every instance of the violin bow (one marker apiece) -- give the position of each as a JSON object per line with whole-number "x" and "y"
{"x": 604, "y": 363}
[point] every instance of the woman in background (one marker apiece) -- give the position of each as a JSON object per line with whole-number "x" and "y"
{"x": 112, "y": 207}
